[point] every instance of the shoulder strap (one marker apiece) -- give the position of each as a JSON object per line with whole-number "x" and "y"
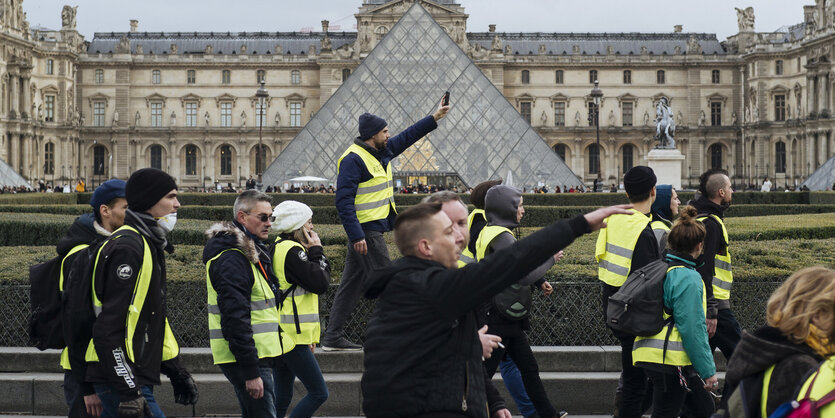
{"x": 826, "y": 399}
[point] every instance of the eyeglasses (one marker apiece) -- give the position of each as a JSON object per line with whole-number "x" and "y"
{"x": 263, "y": 217}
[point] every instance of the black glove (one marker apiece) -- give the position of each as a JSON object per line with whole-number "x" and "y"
{"x": 185, "y": 390}
{"x": 136, "y": 408}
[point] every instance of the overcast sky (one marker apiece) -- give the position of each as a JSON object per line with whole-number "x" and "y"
{"x": 710, "y": 16}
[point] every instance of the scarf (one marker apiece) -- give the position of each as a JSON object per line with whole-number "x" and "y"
{"x": 147, "y": 226}
{"x": 819, "y": 342}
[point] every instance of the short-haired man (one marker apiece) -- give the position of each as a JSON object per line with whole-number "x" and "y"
{"x": 108, "y": 214}
{"x": 716, "y": 194}
{"x": 132, "y": 338}
{"x": 365, "y": 202}
{"x": 627, "y": 244}
{"x": 244, "y": 332}
{"x": 422, "y": 351}
{"x": 477, "y": 219}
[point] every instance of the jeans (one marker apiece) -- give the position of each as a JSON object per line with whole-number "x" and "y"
{"x": 513, "y": 382}
{"x": 110, "y": 401}
{"x": 299, "y": 362}
{"x": 727, "y": 334}
{"x": 73, "y": 397}
{"x": 668, "y": 396}
{"x": 252, "y": 408}
{"x": 357, "y": 268}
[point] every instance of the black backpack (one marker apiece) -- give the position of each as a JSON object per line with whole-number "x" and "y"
{"x": 637, "y": 308}
{"x": 77, "y": 304}
{"x": 45, "y": 324}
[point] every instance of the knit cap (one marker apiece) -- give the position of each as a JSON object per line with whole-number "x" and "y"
{"x": 370, "y": 125}
{"x": 290, "y": 215}
{"x": 639, "y": 180}
{"x": 146, "y": 187}
{"x": 106, "y": 192}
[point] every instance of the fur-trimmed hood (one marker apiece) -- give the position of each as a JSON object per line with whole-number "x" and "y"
{"x": 225, "y": 235}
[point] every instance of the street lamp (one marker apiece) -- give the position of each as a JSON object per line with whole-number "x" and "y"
{"x": 262, "y": 95}
{"x": 596, "y": 95}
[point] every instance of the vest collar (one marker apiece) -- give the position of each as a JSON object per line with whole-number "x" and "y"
{"x": 371, "y": 150}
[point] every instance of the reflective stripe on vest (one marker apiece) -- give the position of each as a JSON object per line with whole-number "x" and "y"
{"x": 766, "y": 384}
{"x": 819, "y": 384}
{"x": 467, "y": 256}
{"x": 486, "y": 237}
{"x": 65, "y": 356}
{"x": 723, "y": 277}
{"x": 170, "y": 348}
{"x": 300, "y": 309}
{"x": 374, "y": 197}
{"x": 615, "y": 243}
{"x": 651, "y": 349}
{"x": 263, "y": 316}
{"x": 660, "y": 230}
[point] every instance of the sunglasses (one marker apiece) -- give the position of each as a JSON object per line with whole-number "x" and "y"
{"x": 263, "y": 217}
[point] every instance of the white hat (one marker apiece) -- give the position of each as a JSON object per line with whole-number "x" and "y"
{"x": 290, "y": 215}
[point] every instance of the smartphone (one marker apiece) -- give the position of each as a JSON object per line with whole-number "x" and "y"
{"x": 445, "y": 101}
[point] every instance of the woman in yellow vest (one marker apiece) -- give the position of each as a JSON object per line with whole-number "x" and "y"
{"x": 770, "y": 363}
{"x": 821, "y": 385}
{"x": 303, "y": 273}
{"x": 679, "y": 360}
{"x": 664, "y": 210}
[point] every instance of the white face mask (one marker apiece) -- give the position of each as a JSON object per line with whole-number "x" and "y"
{"x": 167, "y": 222}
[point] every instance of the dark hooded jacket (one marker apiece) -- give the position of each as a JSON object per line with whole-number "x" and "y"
{"x": 755, "y": 353}
{"x": 422, "y": 351}
{"x": 714, "y": 244}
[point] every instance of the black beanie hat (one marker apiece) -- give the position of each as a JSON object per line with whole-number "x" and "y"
{"x": 146, "y": 187}
{"x": 370, "y": 125}
{"x": 639, "y": 180}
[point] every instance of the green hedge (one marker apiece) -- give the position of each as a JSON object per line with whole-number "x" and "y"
{"x": 822, "y": 198}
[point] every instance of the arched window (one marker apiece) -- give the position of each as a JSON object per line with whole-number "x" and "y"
{"x": 98, "y": 160}
{"x": 156, "y": 157}
{"x": 560, "y": 150}
{"x": 191, "y": 160}
{"x": 780, "y": 157}
{"x": 225, "y": 160}
{"x": 381, "y": 30}
{"x": 627, "y": 76}
{"x": 628, "y": 153}
{"x": 260, "y": 76}
{"x": 660, "y": 77}
{"x": 594, "y": 155}
{"x": 295, "y": 77}
{"x": 716, "y": 156}
{"x": 346, "y": 72}
{"x": 49, "y": 158}
{"x": 592, "y": 76}
{"x": 560, "y": 77}
{"x": 526, "y": 77}
{"x": 156, "y": 76}
{"x": 226, "y": 77}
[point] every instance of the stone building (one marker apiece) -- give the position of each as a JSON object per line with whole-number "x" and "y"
{"x": 185, "y": 102}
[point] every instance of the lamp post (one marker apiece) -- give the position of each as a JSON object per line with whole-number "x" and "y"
{"x": 596, "y": 95}
{"x": 262, "y": 95}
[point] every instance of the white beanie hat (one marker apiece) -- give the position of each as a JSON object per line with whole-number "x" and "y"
{"x": 290, "y": 215}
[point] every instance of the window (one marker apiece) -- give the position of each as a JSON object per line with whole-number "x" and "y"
{"x": 560, "y": 150}
{"x": 191, "y": 76}
{"x": 660, "y": 77}
{"x": 798, "y": 64}
{"x": 714, "y": 77}
{"x": 295, "y": 114}
{"x": 716, "y": 156}
{"x": 260, "y": 76}
{"x": 226, "y": 115}
{"x": 156, "y": 157}
{"x": 49, "y": 109}
{"x": 49, "y": 66}
{"x": 98, "y": 113}
{"x": 627, "y": 77}
{"x": 346, "y": 72}
{"x": 525, "y": 110}
{"x": 628, "y": 153}
{"x": 225, "y": 160}
{"x": 780, "y": 107}
{"x": 98, "y": 160}
{"x": 260, "y": 158}
{"x": 295, "y": 77}
{"x": 778, "y": 67}
{"x": 526, "y": 77}
{"x": 191, "y": 160}
{"x": 594, "y": 155}
{"x": 99, "y": 76}
{"x": 260, "y": 112}
{"x": 780, "y": 157}
{"x": 156, "y": 115}
{"x": 156, "y": 77}
{"x": 49, "y": 158}
{"x": 715, "y": 113}
{"x": 559, "y": 113}
{"x": 559, "y": 77}
{"x": 226, "y": 77}
{"x": 627, "y": 113}
{"x": 381, "y": 30}
{"x": 593, "y": 116}
{"x": 191, "y": 114}
{"x": 592, "y": 76}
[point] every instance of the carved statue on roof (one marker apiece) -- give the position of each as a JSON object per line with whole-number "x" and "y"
{"x": 542, "y": 49}
{"x": 173, "y": 48}
{"x": 693, "y": 46}
{"x": 610, "y": 50}
{"x": 243, "y": 49}
{"x": 68, "y": 17}
{"x": 209, "y": 50}
{"x": 745, "y": 19}
{"x": 326, "y": 43}
{"x": 497, "y": 43}
{"x": 311, "y": 50}
{"x": 124, "y": 45}
{"x": 139, "y": 49}
{"x": 665, "y": 126}
{"x": 508, "y": 50}
{"x": 278, "y": 50}
{"x": 644, "y": 50}
{"x": 678, "y": 50}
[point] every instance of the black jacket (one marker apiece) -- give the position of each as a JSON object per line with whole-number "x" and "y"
{"x": 232, "y": 279}
{"x": 308, "y": 269}
{"x": 422, "y": 352}
{"x": 714, "y": 244}
{"x": 115, "y": 279}
{"x": 755, "y": 353}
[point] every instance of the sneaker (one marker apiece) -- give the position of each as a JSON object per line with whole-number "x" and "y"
{"x": 342, "y": 344}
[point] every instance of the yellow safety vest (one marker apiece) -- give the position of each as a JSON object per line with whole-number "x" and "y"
{"x": 170, "y": 349}
{"x": 723, "y": 277}
{"x": 485, "y": 237}
{"x": 467, "y": 256}
{"x": 660, "y": 230}
{"x": 615, "y": 244}
{"x": 300, "y": 309}
{"x": 651, "y": 349}
{"x": 822, "y": 385}
{"x": 65, "y": 355}
{"x": 374, "y": 197}
{"x": 266, "y": 332}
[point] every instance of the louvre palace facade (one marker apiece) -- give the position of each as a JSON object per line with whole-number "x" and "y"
{"x": 757, "y": 104}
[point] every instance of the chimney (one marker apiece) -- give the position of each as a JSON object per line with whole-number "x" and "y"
{"x": 677, "y": 28}
{"x": 325, "y": 25}
{"x": 133, "y": 25}
{"x": 492, "y": 28}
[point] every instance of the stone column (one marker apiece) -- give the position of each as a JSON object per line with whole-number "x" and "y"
{"x": 14, "y": 150}
{"x": 14, "y": 95}
{"x": 26, "y": 102}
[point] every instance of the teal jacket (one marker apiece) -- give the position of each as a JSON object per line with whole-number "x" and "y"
{"x": 683, "y": 294}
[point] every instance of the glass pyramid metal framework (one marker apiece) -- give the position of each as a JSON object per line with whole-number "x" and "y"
{"x": 823, "y": 178}
{"x": 9, "y": 177}
{"x": 402, "y": 80}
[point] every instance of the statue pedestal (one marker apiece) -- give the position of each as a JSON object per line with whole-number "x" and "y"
{"x": 666, "y": 163}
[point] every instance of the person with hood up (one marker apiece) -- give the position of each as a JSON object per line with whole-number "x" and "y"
{"x": 770, "y": 363}
{"x": 507, "y": 314}
{"x": 664, "y": 210}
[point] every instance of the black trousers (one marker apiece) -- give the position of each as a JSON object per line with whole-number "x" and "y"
{"x": 728, "y": 333}
{"x": 668, "y": 396}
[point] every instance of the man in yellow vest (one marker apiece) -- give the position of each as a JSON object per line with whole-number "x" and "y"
{"x": 244, "y": 330}
{"x": 365, "y": 202}
{"x": 722, "y": 326}
{"x": 132, "y": 339}
{"x": 628, "y": 243}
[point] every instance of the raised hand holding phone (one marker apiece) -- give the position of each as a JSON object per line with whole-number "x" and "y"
{"x": 443, "y": 107}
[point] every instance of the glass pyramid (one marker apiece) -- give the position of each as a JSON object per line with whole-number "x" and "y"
{"x": 9, "y": 177}
{"x": 823, "y": 178}
{"x": 402, "y": 80}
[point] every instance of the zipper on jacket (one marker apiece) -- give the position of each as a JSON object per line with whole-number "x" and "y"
{"x": 466, "y": 386}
